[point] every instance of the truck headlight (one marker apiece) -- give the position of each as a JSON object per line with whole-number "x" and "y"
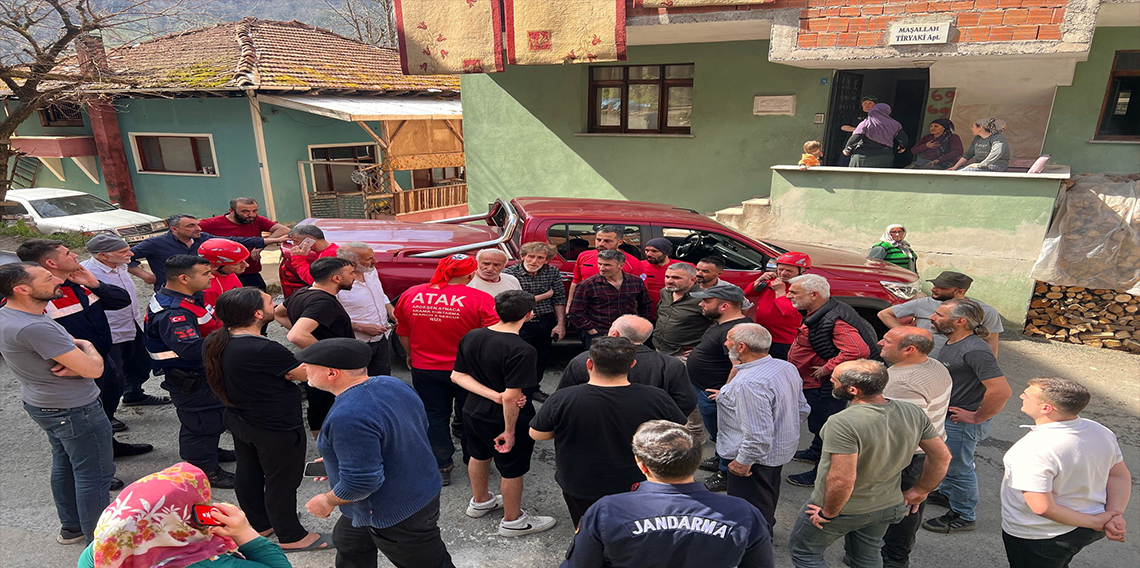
{"x": 903, "y": 290}
{"x": 158, "y": 225}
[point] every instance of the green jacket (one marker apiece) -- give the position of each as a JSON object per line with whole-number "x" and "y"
{"x": 259, "y": 553}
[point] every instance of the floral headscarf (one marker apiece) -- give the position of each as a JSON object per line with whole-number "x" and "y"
{"x": 992, "y": 125}
{"x": 149, "y": 525}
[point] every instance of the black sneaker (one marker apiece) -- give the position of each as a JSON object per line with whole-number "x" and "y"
{"x": 226, "y": 456}
{"x": 717, "y": 482}
{"x": 70, "y": 536}
{"x": 951, "y": 522}
{"x": 118, "y": 426}
{"x": 710, "y": 464}
{"x": 805, "y": 479}
{"x": 938, "y": 498}
{"x": 221, "y": 479}
{"x": 116, "y": 484}
{"x": 147, "y": 400}
{"x": 445, "y": 473}
{"x": 806, "y": 456}
{"x": 539, "y": 396}
{"x": 123, "y": 449}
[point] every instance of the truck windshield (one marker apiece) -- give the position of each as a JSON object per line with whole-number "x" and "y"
{"x": 70, "y": 205}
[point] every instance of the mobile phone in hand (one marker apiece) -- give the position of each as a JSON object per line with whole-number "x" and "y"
{"x": 204, "y": 515}
{"x": 308, "y": 242}
{"x": 315, "y": 469}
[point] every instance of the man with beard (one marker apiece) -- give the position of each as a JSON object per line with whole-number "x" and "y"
{"x": 184, "y": 237}
{"x": 537, "y": 276}
{"x": 606, "y": 296}
{"x": 56, "y": 374}
{"x": 979, "y": 392}
{"x": 653, "y": 268}
{"x": 709, "y": 366}
{"x": 680, "y": 325}
{"x": 312, "y": 314}
{"x": 774, "y": 310}
{"x": 369, "y": 307}
{"x": 947, "y": 286}
{"x": 242, "y": 220}
{"x": 489, "y": 276}
{"x": 866, "y": 447}
{"x": 607, "y": 237}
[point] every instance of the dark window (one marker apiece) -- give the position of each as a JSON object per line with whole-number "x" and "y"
{"x": 691, "y": 245}
{"x": 641, "y": 98}
{"x": 338, "y": 179}
{"x": 575, "y": 238}
{"x": 1120, "y": 114}
{"x": 175, "y": 154}
{"x": 13, "y": 210}
{"x": 61, "y": 114}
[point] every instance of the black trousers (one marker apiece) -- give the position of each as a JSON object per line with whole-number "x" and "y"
{"x": 823, "y": 405}
{"x": 252, "y": 279}
{"x": 134, "y": 364}
{"x": 578, "y": 506}
{"x": 1056, "y": 552}
{"x": 381, "y": 363}
{"x": 762, "y": 489}
{"x": 537, "y": 333}
{"x": 440, "y": 396}
{"x": 780, "y": 350}
{"x": 899, "y": 540}
{"x": 110, "y": 385}
{"x": 270, "y": 466}
{"x": 200, "y": 414}
{"x": 320, "y": 402}
{"x": 411, "y": 543}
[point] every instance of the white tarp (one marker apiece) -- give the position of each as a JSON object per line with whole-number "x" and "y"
{"x": 353, "y": 109}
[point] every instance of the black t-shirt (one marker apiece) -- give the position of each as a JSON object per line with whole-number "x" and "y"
{"x": 323, "y": 308}
{"x": 254, "y": 370}
{"x": 593, "y": 427}
{"x": 709, "y": 365}
{"x": 499, "y": 361}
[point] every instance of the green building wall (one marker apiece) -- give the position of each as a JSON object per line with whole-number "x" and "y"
{"x": 521, "y": 131}
{"x": 1076, "y": 110}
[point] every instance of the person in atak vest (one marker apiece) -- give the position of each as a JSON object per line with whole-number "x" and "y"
{"x": 831, "y": 333}
{"x": 177, "y": 321}
{"x": 893, "y": 248}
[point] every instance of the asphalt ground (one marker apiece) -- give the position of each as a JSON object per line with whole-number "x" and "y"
{"x": 28, "y": 523}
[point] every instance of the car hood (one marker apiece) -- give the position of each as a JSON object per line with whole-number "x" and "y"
{"x": 101, "y": 220}
{"x": 837, "y": 260}
{"x": 392, "y": 237}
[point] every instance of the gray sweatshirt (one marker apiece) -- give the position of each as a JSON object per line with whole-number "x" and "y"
{"x": 992, "y": 151}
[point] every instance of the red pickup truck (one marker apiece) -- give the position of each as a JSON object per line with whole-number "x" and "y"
{"x": 407, "y": 253}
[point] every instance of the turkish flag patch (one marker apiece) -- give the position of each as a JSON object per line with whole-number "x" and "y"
{"x": 177, "y": 319}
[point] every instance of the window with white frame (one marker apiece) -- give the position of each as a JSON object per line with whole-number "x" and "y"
{"x": 183, "y": 154}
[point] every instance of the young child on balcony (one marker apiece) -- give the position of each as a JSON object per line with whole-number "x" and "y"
{"x": 813, "y": 151}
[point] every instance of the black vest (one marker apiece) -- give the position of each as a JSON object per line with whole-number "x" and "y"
{"x": 821, "y": 327}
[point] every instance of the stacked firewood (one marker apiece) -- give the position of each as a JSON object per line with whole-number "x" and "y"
{"x": 1095, "y": 317}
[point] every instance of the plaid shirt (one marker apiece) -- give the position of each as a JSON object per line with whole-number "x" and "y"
{"x": 547, "y": 278}
{"x": 597, "y": 303}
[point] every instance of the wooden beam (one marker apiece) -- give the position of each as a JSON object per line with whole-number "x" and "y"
{"x": 454, "y": 130}
{"x": 379, "y": 141}
{"x": 396, "y": 132}
{"x": 87, "y": 166}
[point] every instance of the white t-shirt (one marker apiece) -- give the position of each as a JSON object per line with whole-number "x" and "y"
{"x": 1069, "y": 459}
{"x": 506, "y": 282}
{"x": 926, "y": 385}
{"x": 922, "y": 308}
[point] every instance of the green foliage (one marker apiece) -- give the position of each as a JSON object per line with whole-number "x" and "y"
{"x": 21, "y": 231}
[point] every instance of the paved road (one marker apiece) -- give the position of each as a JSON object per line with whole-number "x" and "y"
{"x": 28, "y": 522}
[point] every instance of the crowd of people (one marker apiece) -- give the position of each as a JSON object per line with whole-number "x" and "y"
{"x": 672, "y": 359}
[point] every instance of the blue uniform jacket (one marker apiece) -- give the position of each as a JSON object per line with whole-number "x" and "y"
{"x": 671, "y": 526}
{"x": 157, "y": 249}
{"x": 174, "y": 330}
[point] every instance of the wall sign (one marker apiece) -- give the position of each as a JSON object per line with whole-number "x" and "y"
{"x": 774, "y": 105}
{"x": 919, "y": 33}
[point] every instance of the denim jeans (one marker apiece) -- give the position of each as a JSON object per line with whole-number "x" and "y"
{"x": 862, "y": 534}
{"x": 81, "y": 462}
{"x": 961, "y": 483}
{"x": 707, "y": 408}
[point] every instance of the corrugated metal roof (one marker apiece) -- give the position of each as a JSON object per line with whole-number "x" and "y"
{"x": 368, "y": 108}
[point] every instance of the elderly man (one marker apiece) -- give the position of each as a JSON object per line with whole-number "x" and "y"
{"x": 979, "y": 393}
{"x": 380, "y": 470}
{"x": 758, "y": 418}
{"x": 773, "y": 308}
{"x": 831, "y": 333}
{"x": 947, "y": 286}
{"x": 309, "y": 244}
{"x": 607, "y": 295}
{"x": 538, "y": 277}
{"x": 866, "y": 448}
{"x": 489, "y": 277}
{"x": 653, "y": 268}
{"x": 242, "y": 220}
{"x": 650, "y": 367}
{"x": 680, "y": 325}
{"x": 110, "y": 263}
{"x": 184, "y": 237}
{"x": 372, "y": 314}
{"x": 607, "y": 237}
{"x": 925, "y": 383}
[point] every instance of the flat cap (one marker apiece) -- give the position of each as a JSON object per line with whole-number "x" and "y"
{"x": 337, "y": 353}
{"x": 730, "y": 293}
{"x": 950, "y": 279}
{"x": 105, "y": 242}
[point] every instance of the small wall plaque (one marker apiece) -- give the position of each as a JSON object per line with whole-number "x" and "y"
{"x": 774, "y": 105}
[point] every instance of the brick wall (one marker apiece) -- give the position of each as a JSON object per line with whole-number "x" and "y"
{"x": 864, "y": 23}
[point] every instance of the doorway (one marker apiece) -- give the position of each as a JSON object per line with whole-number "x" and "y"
{"x": 905, "y": 90}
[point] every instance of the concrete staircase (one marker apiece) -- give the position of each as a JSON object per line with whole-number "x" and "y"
{"x": 752, "y": 217}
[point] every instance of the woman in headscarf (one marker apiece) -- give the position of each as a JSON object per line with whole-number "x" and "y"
{"x": 876, "y": 140}
{"x": 989, "y": 151}
{"x": 938, "y": 150}
{"x": 893, "y": 248}
{"x": 152, "y": 523}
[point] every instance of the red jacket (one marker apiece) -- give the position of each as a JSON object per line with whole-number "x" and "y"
{"x": 294, "y": 272}
{"x": 777, "y": 315}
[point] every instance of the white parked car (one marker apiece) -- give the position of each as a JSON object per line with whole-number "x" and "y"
{"x": 51, "y": 210}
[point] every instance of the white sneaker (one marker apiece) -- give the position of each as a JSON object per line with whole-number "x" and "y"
{"x": 526, "y": 524}
{"x": 476, "y": 510}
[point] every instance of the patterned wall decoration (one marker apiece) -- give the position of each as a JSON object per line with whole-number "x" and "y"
{"x": 548, "y": 32}
{"x": 449, "y": 36}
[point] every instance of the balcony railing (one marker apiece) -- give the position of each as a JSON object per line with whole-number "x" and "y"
{"x": 426, "y": 198}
